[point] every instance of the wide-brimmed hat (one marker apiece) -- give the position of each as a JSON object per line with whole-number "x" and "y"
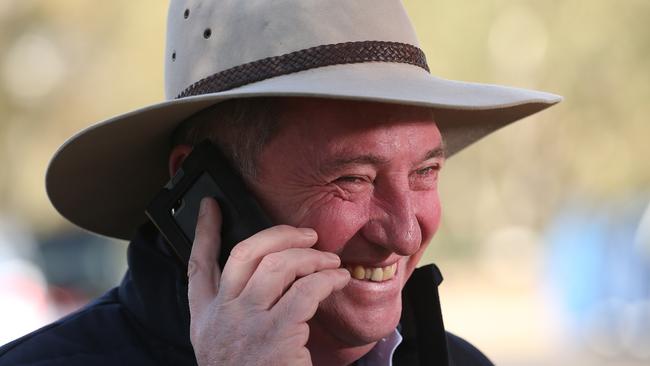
{"x": 103, "y": 178}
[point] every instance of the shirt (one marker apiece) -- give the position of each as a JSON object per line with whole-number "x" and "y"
{"x": 382, "y": 353}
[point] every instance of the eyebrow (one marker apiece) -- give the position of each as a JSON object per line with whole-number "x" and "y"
{"x": 367, "y": 159}
{"x": 370, "y": 159}
{"x": 436, "y": 153}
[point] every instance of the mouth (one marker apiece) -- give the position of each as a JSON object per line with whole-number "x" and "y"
{"x": 373, "y": 274}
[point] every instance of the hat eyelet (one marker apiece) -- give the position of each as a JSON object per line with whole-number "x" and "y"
{"x": 186, "y": 14}
{"x": 207, "y": 33}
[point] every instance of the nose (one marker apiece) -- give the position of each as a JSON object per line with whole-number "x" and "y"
{"x": 393, "y": 220}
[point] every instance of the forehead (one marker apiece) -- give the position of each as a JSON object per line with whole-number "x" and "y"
{"x": 326, "y": 127}
{"x": 313, "y": 117}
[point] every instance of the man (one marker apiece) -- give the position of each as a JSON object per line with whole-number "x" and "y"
{"x": 328, "y": 111}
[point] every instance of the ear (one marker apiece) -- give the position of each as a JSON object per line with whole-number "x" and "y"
{"x": 177, "y": 156}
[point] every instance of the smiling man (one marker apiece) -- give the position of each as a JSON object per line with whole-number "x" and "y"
{"x": 364, "y": 177}
{"x": 328, "y": 111}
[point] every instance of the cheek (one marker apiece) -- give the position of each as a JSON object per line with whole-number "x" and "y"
{"x": 336, "y": 223}
{"x": 296, "y": 207}
{"x": 429, "y": 214}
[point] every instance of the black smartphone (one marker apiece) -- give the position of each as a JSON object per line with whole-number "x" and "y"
{"x": 205, "y": 173}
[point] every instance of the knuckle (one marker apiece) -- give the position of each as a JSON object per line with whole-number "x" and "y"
{"x": 193, "y": 267}
{"x": 303, "y": 287}
{"x": 327, "y": 257}
{"x": 303, "y": 357}
{"x": 273, "y": 262}
{"x": 241, "y": 251}
{"x": 300, "y": 334}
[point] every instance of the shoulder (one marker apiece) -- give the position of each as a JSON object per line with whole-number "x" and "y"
{"x": 100, "y": 333}
{"x": 463, "y": 353}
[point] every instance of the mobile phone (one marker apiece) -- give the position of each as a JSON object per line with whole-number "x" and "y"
{"x": 205, "y": 173}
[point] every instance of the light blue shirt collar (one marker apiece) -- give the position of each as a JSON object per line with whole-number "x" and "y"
{"x": 382, "y": 353}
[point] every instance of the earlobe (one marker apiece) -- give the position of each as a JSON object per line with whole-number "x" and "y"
{"x": 177, "y": 156}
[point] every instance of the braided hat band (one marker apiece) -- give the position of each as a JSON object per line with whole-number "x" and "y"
{"x": 309, "y": 58}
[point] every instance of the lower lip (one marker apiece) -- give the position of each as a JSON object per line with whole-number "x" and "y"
{"x": 359, "y": 288}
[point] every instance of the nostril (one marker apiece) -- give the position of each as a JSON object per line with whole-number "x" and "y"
{"x": 186, "y": 14}
{"x": 397, "y": 229}
{"x": 207, "y": 33}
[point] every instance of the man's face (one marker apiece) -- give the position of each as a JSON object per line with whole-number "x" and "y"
{"x": 364, "y": 176}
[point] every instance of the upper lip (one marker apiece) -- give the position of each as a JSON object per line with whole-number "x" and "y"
{"x": 382, "y": 264}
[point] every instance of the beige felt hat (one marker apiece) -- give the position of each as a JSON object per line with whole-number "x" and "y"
{"x": 102, "y": 178}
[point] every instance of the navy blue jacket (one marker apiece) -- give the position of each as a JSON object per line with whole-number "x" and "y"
{"x": 145, "y": 321}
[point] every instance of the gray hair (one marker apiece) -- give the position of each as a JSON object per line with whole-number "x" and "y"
{"x": 239, "y": 127}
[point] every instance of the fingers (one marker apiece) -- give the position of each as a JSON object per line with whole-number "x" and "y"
{"x": 300, "y": 302}
{"x": 277, "y": 271}
{"x": 203, "y": 271}
{"x": 246, "y": 256}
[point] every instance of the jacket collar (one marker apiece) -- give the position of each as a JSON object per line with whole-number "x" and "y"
{"x": 154, "y": 289}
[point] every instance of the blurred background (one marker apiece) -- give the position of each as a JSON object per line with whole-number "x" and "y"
{"x": 545, "y": 240}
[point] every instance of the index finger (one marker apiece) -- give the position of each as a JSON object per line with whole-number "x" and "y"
{"x": 202, "y": 269}
{"x": 246, "y": 256}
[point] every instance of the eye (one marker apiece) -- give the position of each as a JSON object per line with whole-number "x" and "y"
{"x": 425, "y": 178}
{"x": 428, "y": 170}
{"x": 351, "y": 179}
{"x": 353, "y": 183}
{"x": 424, "y": 171}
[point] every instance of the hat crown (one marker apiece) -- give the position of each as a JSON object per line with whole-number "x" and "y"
{"x": 206, "y": 37}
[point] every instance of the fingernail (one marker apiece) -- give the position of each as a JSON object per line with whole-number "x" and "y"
{"x": 308, "y": 232}
{"x": 333, "y": 256}
{"x": 204, "y": 206}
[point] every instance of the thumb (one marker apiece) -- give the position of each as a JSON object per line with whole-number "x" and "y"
{"x": 202, "y": 269}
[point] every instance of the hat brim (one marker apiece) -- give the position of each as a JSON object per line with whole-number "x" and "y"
{"x": 103, "y": 178}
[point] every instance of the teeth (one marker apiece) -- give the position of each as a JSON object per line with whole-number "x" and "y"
{"x": 375, "y": 274}
{"x": 358, "y": 272}
{"x": 389, "y": 272}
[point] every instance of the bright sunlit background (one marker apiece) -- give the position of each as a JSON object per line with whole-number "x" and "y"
{"x": 545, "y": 241}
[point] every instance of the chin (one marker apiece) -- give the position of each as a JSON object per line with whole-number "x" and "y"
{"x": 354, "y": 324}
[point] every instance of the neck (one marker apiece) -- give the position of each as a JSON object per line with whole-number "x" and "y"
{"x": 327, "y": 349}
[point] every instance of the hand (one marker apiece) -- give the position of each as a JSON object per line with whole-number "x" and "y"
{"x": 256, "y": 311}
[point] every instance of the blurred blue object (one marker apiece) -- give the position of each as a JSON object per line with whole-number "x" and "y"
{"x": 600, "y": 276}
